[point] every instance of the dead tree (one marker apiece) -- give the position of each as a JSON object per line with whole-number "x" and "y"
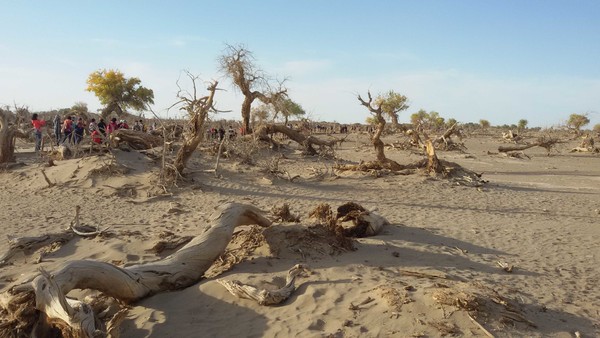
{"x": 545, "y": 142}
{"x": 377, "y": 113}
{"x": 7, "y": 137}
{"x": 307, "y": 142}
{"x": 238, "y": 64}
{"x": 445, "y": 141}
{"x": 40, "y": 304}
{"x": 137, "y": 140}
{"x": 197, "y": 109}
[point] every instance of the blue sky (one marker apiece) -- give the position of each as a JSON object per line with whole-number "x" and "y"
{"x": 497, "y": 60}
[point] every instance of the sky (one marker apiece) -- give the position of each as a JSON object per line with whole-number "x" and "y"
{"x": 502, "y": 61}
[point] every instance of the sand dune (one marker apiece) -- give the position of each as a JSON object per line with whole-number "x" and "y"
{"x": 432, "y": 272}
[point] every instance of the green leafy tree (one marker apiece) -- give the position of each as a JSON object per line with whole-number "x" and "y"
{"x": 391, "y": 104}
{"x": 419, "y": 119}
{"x": 485, "y": 124}
{"x": 288, "y": 109}
{"x": 435, "y": 121}
{"x": 118, "y": 93}
{"x": 576, "y": 121}
{"x": 371, "y": 120}
{"x": 597, "y": 128}
{"x": 522, "y": 125}
{"x": 451, "y": 122}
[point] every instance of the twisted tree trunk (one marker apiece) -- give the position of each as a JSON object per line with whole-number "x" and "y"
{"x": 198, "y": 110}
{"x": 306, "y": 141}
{"x": 41, "y": 302}
{"x": 7, "y": 137}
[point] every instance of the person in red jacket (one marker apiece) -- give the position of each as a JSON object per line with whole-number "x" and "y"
{"x": 37, "y": 129}
{"x": 96, "y": 138}
{"x": 112, "y": 126}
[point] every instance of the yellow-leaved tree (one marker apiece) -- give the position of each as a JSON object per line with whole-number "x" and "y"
{"x": 118, "y": 93}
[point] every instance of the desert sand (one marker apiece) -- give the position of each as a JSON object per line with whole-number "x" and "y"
{"x": 432, "y": 272}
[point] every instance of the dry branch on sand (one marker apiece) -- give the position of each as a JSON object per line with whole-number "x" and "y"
{"x": 265, "y": 297}
{"x": 40, "y": 304}
{"x": 52, "y": 240}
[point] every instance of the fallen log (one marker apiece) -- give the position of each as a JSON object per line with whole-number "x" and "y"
{"x": 307, "y": 142}
{"x": 41, "y": 302}
{"x": 545, "y": 142}
{"x": 135, "y": 139}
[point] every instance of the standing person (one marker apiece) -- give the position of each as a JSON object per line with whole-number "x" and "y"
{"x": 37, "y": 129}
{"x": 112, "y": 126}
{"x": 79, "y": 130}
{"x": 137, "y": 126}
{"x": 57, "y": 128}
{"x": 67, "y": 129}
{"x": 221, "y": 133}
{"x": 102, "y": 127}
{"x": 93, "y": 126}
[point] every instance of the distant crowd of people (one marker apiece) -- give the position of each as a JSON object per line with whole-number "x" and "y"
{"x": 72, "y": 131}
{"x": 219, "y": 133}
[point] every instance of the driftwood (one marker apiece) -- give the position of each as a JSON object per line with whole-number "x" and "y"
{"x": 41, "y": 302}
{"x": 137, "y": 140}
{"x": 545, "y": 142}
{"x": 307, "y": 142}
{"x": 265, "y": 297}
{"x": 7, "y": 137}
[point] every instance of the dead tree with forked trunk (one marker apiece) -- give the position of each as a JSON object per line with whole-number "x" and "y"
{"x": 197, "y": 109}
{"x": 37, "y": 306}
{"x": 238, "y": 64}
{"x": 377, "y": 111}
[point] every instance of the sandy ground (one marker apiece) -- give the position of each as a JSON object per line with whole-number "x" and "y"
{"x": 541, "y": 215}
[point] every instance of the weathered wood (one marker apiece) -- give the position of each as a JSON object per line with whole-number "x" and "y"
{"x": 181, "y": 269}
{"x": 265, "y": 297}
{"x": 7, "y": 137}
{"x": 307, "y": 141}
{"x": 137, "y": 140}
{"x": 198, "y": 109}
{"x": 433, "y": 163}
{"x": 516, "y": 147}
